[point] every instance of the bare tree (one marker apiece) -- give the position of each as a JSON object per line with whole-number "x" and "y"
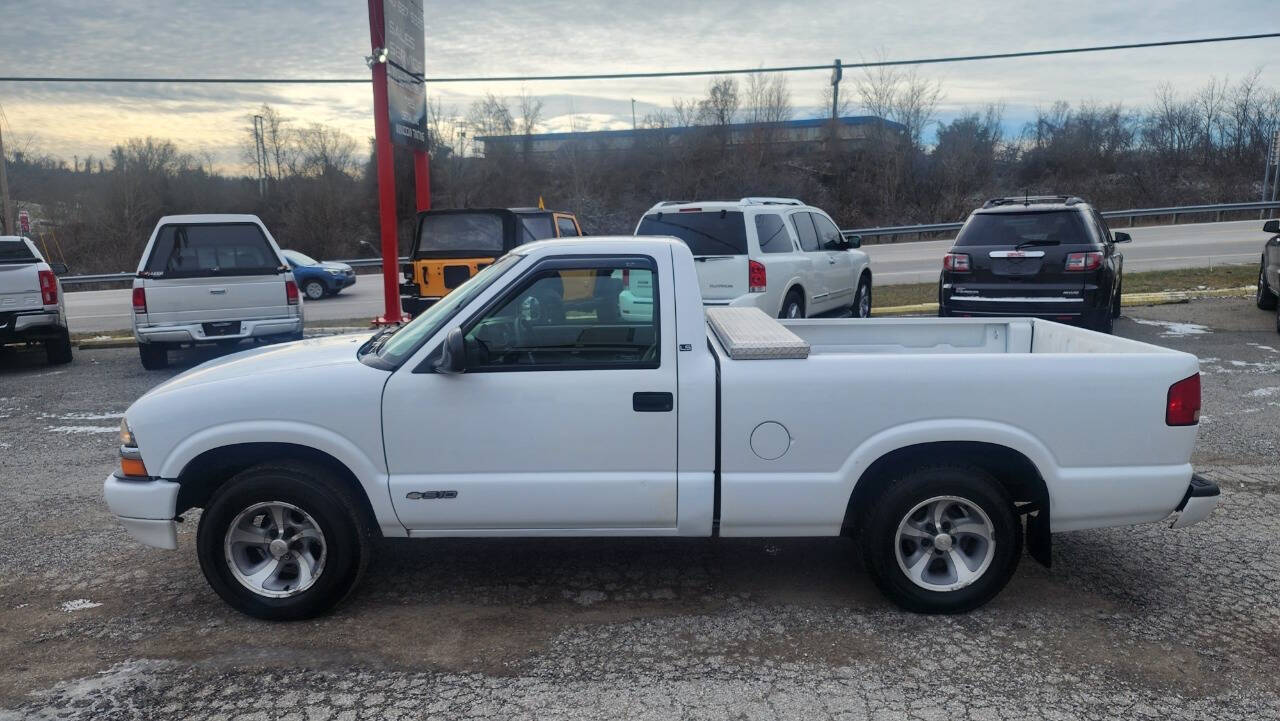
{"x": 720, "y": 106}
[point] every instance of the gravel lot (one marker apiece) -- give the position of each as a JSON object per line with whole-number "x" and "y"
{"x": 1130, "y": 623}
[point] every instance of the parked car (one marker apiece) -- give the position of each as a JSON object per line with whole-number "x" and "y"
{"x": 450, "y": 246}
{"x": 32, "y": 309}
{"x": 659, "y": 426}
{"x": 1046, "y": 256}
{"x": 1269, "y": 271}
{"x": 317, "y": 279}
{"x": 212, "y": 279}
{"x": 776, "y": 254}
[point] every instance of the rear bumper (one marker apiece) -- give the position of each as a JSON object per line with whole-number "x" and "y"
{"x": 145, "y": 507}
{"x": 194, "y": 332}
{"x": 30, "y": 325}
{"x": 1201, "y": 498}
{"x": 415, "y": 304}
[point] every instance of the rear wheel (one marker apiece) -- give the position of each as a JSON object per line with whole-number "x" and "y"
{"x": 942, "y": 539}
{"x": 1265, "y": 297}
{"x": 862, "y": 298}
{"x": 57, "y": 351}
{"x": 1278, "y": 318}
{"x": 314, "y": 289}
{"x": 792, "y": 306}
{"x": 155, "y": 356}
{"x": 1106, "y": 322}
{"x": 1115, "y": 304}
{"x": 283, "y": 541}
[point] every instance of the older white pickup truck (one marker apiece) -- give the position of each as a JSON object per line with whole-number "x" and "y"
{"x": 32, "y": 306}
{"x": 515, "y": 408}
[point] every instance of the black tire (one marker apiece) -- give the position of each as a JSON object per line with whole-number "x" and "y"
{"x": 792, "y": 305}
{"x": 880, "y": 539}
{"x": 57, "y": 351}
{"x": 1278, "y": 318}
{"x": 314, "y": 290}
{"x": 321, "y": 496}
{"x": 859, "y": 309}
{"x": 155, "y": 356}
{"x": 1266, "y": 297}
{"x": 1104, "y": 321}
{"x": 1115, "y": 304}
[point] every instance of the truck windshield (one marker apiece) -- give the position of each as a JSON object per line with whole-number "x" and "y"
{"x": 479, "y": 233}
{"x": 1062, "y": 227}
{"x": 712, "y": 233}
{"x": 210, "y": 249}
{"x": 15, "y": 251}
{"x": 402, "y": 343}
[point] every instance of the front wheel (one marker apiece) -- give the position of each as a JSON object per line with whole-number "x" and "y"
{"x": 313, "y": 289}
{"x": 282, "y": 541}
{"x": 1265, "y": 296}
{"x": 942, "y": 539}
{"x": 862, "y": 299}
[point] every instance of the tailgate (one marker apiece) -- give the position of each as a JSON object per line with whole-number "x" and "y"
{"x": 199, "y": 300}
{"x": 721, "y": 277}
{"x": 19, "y": 287}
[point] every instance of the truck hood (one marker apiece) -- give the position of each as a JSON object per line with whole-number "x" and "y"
{"x": 285, "y": 357}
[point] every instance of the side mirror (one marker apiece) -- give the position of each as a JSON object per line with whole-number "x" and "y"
{"x": 59, "y": 268}
{"x": 1120, "y": 237}
{"x": 453, "y": 354}
{"x": 855, "y": 241}
{"x": 1271, "y": 226}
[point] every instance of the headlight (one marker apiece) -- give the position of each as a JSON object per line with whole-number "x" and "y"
{"x": 334, "y": 271}
{"x": 126, "y": 435}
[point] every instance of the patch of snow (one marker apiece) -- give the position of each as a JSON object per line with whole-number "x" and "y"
{"x": 1173, "y": 329}
{"x": 83, "y": 416}
{"x": 1263, "y": 392}
{"x": 1267, "y": 348}
{"x": 68, "y": 430}
{"x": 79, "y": 604}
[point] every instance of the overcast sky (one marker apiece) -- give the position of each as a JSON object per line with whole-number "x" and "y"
{"x": 329, "y": 38}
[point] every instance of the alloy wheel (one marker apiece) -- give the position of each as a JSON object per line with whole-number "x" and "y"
{"x": 945, "y": 543}
{"x": 275, "y": 549}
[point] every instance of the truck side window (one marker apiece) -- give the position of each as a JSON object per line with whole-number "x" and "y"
{"x": 805, "y": 232}
{"x": 541, "y": 326}
{"x": 566, "y": 227}
{"x": 773, "y": 235}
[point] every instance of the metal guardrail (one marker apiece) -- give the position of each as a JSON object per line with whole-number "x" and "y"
{"x": 888, "y": 230}
{"x": 1174, "y": 211}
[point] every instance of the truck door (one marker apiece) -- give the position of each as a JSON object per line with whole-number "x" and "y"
{"x": 563, "y": 420}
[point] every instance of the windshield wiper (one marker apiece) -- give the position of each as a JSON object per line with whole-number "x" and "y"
{"x": 374, "y": 344}
{"x": 703, "y": 233}
{"x": 1029, "y": 243}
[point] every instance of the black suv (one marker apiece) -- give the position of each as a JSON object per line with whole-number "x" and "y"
{"x": 1044, "y": 256}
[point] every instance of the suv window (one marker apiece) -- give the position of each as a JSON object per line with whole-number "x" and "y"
{"x": 205, "y": 249}
{"x": 805, "y": 231}
{"x": 566, "y": 227}
{"x": 538, "y": 328}
{"x": 1064, "y": 226}
{"x": 535, "y": 227}
{"x": 721, "y": 232}
{"x": 829, "y": 236}
{"x": 15, "y": 251}
{"x": 773, "y": 234}
{"x": 1100, "y": 223}
{"x": 472, "y": 232}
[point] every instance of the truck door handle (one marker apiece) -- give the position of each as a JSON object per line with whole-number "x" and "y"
{"x": 218, "y": 291}
{"x": 647, "y": 402}
{"x": 831, "y": 260}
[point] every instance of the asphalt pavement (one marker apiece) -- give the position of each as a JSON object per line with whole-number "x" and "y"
{"x": 1139, "y": 622}
{"x": 1154, "y": 248}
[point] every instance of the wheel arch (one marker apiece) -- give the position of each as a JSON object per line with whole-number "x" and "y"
{"x": 793, "y": 285}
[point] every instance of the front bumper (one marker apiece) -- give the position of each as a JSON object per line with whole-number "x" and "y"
{"x": 1200, "y": 500}
{"x": 194, "y": 332}
{"x": 145, "y": 507}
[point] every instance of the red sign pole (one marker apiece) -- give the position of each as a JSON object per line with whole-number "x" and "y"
{"x": 386, "y": 171}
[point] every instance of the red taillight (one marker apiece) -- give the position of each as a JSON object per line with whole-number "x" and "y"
{"x": 757, "y": 279}
{"x": 48, "y": 287}
{"x": 956, "y": 262}
{"x": 291, "y": 292}
{"x": 626, "y": 278}
{"x": 1077, "y": 262}
{"x": 139, "y": 300}
{"x": 690, "y": 210}
{"x": 1183, "y": 407}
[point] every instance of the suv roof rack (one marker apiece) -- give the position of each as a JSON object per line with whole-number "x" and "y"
{"x": 770, "y": 201}
{"x": 1030, "y": 199}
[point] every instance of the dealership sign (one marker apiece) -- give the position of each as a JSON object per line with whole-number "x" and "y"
{"x": 406, "y": 62}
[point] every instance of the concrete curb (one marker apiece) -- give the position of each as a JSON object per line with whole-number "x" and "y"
{"x": 1128, "y": 299}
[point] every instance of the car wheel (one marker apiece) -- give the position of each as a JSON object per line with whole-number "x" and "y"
{"x": 862, "y": 299}
{"x": 1265, "y": 297}
{"x": 283, "y": 541}
{"x": 1115, "y": 304}
{"x": 314, "y": 289}
{"x": 57, "y": 351}
{"x": 942, "y": 539}
{"x": 1278, "y": 318}
{"x": 155, "y": 356}
{"x": 1106, "y": 322}
{"x": 792, "y": 306}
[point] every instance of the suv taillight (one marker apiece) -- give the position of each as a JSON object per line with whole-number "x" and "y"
{"x": 139, "y": 300}
{"x": 1183, "y": 406}
{"x": 626, "y": 278}
{"x": 1079, "y": 262}
{"x": 291, "y": 292}
{"x": 757, "y": 279}
{"x": 48, "y": 287}
{"x": 956, "y": 262}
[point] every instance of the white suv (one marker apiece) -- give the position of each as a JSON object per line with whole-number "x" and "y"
{"x": 777, "y": 254}
{"x": 212, "y": 279}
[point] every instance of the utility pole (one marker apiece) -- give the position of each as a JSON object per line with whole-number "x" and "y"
{"x": 260, "y": 154}
{"x": 633, "y": 115}
{"x": 837, "y": 74}
{"x": 4, "y": 190}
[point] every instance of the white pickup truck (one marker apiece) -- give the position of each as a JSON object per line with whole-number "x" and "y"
{"x": 32, "y": 308}
{"x": 511, "y": 408}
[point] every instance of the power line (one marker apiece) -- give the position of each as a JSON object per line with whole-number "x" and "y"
{"x": 657, "y": 74}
